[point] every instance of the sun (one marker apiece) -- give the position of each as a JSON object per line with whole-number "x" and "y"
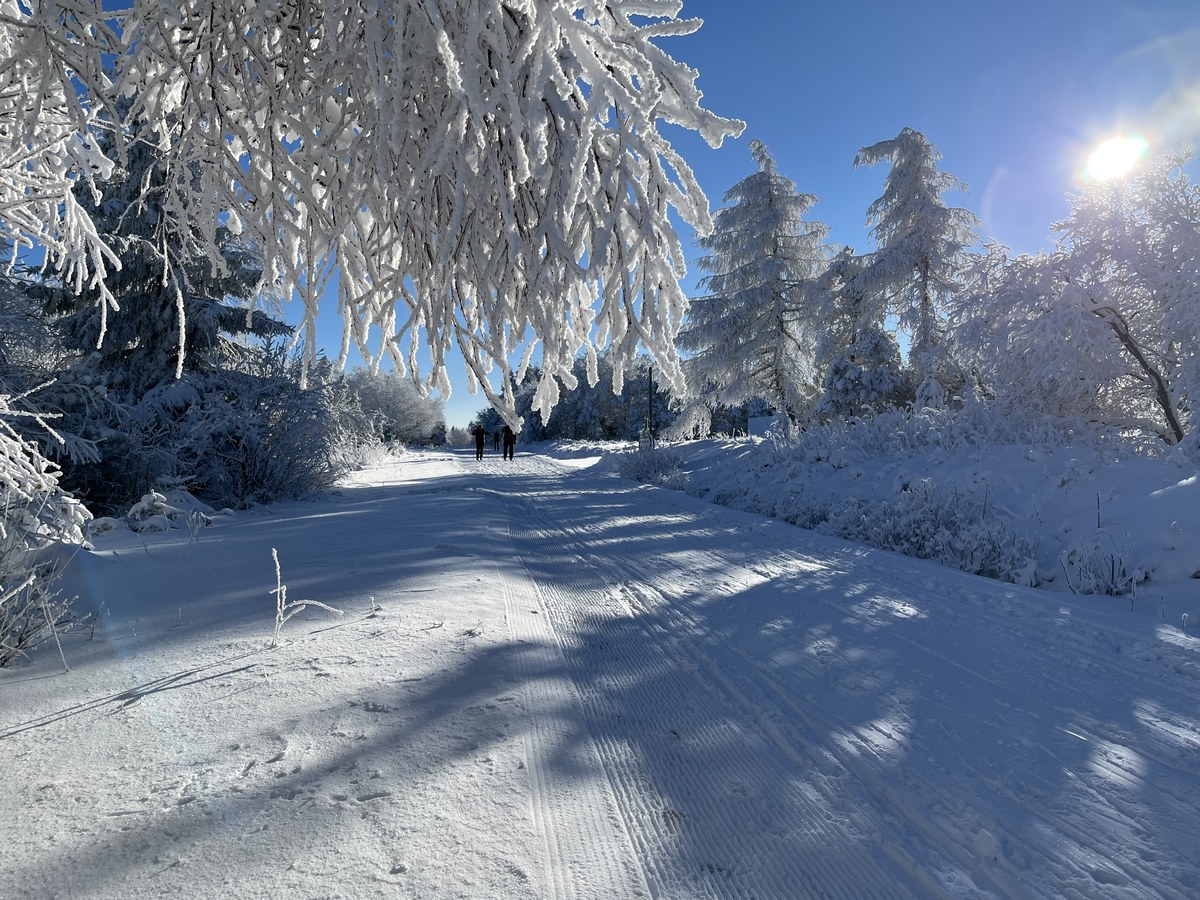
{"x": 1116, "y": 156}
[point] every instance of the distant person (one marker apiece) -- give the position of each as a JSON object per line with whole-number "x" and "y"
{"x": 496, "y": 441}
{"x": 510, "y": 443}
{"x": 480, "y": 436}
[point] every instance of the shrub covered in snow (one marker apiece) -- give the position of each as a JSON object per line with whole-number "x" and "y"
{"x": 231, "y": 436}
{"x": 1009, "y": 496}
{"x": 36, "y": 515}
{"x": 394, "y": 409}
{"x": 957, "y": 529}
{"x": 659, "y": 466}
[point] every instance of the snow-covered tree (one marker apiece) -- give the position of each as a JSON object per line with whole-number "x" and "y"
{"x": 396, "y": 408}
{"x": 858, "y": 357}
{"x": 34, "y": 514}
{"x": 594, "y": 411}
{"x": 751, "y": 335}
{"x": 478, "y": 173}
{"x": 1030, "y": 352}
{"x": 865, "y": 377}
{"x": 175, "y": 312}
{"x": 920, "y": 250}
{"x": 1107, "y": 326}
{"x": 30, "y": 351}
{"x": 1133, "y": 264}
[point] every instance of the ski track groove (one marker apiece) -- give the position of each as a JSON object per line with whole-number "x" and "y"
{"x": 581, "y": 841}
{"x": 689, "y": 843}
{"x": 775, "y": 692}
{"x": 1008, "y": 882}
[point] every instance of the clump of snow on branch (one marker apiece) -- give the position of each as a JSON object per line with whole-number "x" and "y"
{"x": 48, "y": 83}
{"x": 481, "y": 174}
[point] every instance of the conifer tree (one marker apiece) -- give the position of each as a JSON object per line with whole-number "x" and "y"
{"x": 176, "y": 309}
{"x": 751, "y": 334}
{"x": 920, "y": 251}
{"x": 858, "y": 357}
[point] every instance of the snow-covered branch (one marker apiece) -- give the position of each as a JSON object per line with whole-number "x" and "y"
{"x": 492, "y": 167}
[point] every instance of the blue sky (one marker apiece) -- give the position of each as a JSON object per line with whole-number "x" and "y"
{"x": 1015, "y": 99}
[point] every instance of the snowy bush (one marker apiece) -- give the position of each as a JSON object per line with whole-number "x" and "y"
{"x": 957, "y": 529}
{"x": 1098, "y": 565}
{"x": 896, "y": 432}
{"x": 934, "y": 484}
{"x": 36, "y": 516}
{"x": 229, "y": 436}
{"x": 161, "y": 512}
{"x": 395, "y": 410}
{"x": 658, "y": 466}
{"x": 270, "y": 441}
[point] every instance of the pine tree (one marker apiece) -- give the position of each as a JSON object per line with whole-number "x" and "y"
{"x": 751, "y": 334}
{"x": 176, "y": 310}
{"x": 920, "y": 245}
{"x": 856, "y": 354}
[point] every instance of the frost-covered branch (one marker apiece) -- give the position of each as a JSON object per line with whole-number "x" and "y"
{"x": 493, "y": 168}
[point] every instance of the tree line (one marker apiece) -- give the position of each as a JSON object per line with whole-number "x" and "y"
{"x": 1103, "y": 330}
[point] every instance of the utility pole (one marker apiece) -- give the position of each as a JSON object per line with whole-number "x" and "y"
{"x": 647, "y": 438}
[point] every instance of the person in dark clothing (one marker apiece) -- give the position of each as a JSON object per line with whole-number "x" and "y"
{"x": 510, "y": 443}
{"x": 496, "y": 441}
{"x": 480, "y": 434}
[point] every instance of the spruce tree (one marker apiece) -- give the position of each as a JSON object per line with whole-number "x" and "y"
{"x": 920, "y": 252}
{"x": 751, "y": 335}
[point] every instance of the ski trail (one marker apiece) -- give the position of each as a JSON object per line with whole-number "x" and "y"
{"x": 888, "y": 721}
{"x": 588, "y": 854}
{"x": 714, "y": 809}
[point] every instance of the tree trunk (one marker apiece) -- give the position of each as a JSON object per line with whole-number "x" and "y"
{"x": 1162, "y": 394}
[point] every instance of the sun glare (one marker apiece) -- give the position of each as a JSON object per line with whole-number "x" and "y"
{"x": 1116, "y": 156}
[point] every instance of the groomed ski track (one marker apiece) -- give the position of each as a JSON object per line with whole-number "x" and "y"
{"x": 548, "y": 682}
{"x": 780, "y": 715}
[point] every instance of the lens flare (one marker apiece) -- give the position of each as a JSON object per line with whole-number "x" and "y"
{"x": 1116, "y": 156}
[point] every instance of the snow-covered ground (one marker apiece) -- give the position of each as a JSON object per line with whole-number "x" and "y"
{"x": 549, "y": 682}
{"x": 1093, "y": 516}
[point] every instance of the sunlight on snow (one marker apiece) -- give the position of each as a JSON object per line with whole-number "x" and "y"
{"x": 886, "y": 737}
{"x": 1187, "y": 482}
{"x": 1171, "y": 729}
{"x": 884, "y": 610}
{"x": 1117, "y": 763}
{"x": 1171, "y": 634}
{"x": 582, "y": 462}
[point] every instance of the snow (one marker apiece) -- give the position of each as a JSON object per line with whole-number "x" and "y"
{"x": 551, "y": 682}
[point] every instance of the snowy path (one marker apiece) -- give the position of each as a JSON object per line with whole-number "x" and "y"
{"x": 842, "y": 722}
{"x": 571, "y": 686}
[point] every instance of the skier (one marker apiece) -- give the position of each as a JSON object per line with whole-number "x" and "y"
{"x": 510, "y": 443}
{"x": 480, "y": 434}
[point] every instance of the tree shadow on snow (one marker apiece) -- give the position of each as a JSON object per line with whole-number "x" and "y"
{"x": 768, "y": 712}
